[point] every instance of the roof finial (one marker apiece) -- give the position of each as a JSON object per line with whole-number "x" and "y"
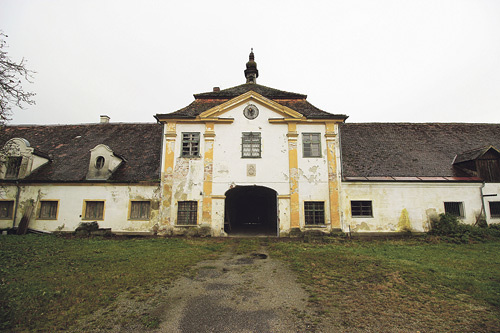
{"x": 251, "y": 73}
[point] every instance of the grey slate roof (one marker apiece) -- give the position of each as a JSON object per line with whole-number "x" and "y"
{"x": 410, "y": 150}
{"x": 294, "y": 101}
{"x": 68, "y": 147}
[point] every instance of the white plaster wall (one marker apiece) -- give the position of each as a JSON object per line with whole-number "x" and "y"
{"x": 313, "y": 172}
{"x": 71, "y": 202}
{"x": 489, "y": 191}
{"x": 231, "y": 169}
{"x": 421, "y": 200}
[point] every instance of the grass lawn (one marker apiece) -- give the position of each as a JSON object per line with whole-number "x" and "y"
{"x": 47, "y": 282}
{"x": 405, "y": 285}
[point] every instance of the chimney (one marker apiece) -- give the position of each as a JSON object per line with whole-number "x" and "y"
{"x": 104, "y": 119}
{"x": 216, "y": 89}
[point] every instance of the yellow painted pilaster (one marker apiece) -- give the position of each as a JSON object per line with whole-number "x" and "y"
{"x": 333, "y": 183}
{"x": 168, "y": 172}
{"x": 208, "y": 162}
{"x": 293, "y": 166}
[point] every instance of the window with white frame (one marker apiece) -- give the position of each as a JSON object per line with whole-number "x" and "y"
{"x": 311, "y": 145}
{"x": 190, "y": 144}
{"x": 251, "y": 145}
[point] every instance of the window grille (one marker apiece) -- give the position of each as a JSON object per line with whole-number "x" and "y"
{"x": 311, "y": 144}
{"x": 314, "y": 212}
{"x": 190, "y": 145}
{"x": 48, "y": 210}
{"x": 139, "y": 210}
{"x": 13, "y": 167}
{"x": 251, "y": 145}
{"x": 187, "y": 212}
{"x": 94, "y": 210}
{"x": 494, "y": 208}
{"x": 454, "y": 208}
{"x": 361, "y": 208}
{"x": 6, "y": 209}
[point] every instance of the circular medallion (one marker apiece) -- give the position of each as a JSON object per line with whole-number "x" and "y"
{"x": 251, "y": 111}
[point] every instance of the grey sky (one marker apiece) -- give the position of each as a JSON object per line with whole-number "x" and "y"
{"x": 389, "y": 61}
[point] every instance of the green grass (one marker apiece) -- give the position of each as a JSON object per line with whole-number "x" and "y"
{"x": 411, "y": 284}
{"x": 48, "y": 282}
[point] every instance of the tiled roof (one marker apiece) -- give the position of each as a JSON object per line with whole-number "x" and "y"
{"x": 410, "y": 150}
{"x": 294, "y": 101}
{"x": 68, "y": 147}
{"x": 233, "y": 92}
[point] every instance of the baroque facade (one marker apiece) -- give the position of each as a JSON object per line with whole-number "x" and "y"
{"x": 248, "y": 160}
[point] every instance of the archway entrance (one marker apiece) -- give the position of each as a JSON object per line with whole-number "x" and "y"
{"x": 251, "y": 210}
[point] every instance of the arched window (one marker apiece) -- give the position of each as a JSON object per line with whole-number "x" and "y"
{"x": 99, "y": 162}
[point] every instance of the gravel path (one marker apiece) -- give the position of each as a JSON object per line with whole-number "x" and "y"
{"x": 234, "y": 293}
{"x": 238, "y": 293}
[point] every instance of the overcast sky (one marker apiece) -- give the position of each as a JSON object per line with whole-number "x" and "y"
{"x": 384, "y": 61}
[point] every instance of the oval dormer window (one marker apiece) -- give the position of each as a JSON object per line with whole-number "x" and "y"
{"x": 99, "y": 162}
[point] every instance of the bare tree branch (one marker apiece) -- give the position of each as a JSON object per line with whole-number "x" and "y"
{"x": 11, "y": 76}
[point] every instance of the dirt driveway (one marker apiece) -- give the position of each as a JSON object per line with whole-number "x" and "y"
{"x": 235, "y": 293}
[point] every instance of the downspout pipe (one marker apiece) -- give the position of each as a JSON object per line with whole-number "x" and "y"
{"x": 18, "y": 190}
{"x": 483, "y": 210}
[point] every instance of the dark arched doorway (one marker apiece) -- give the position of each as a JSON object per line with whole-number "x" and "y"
{"x": 251, "y": 210}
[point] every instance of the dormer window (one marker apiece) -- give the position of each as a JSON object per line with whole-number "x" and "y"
{"x": 99, "y": 162}
{"x": 103, "y": 162}
{"x": 18, "y": 159}
{"x": 13, "y": 166}
{"x": 482, "y": 162}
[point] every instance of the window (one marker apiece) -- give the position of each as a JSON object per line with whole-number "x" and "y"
{"x": 495, "y": 208}
{"x": 139, "y": 210}
{"x": 311, "y": 144}
{"x": 187, "y": 213}
{"x": 94, "y": 210}
{"x": 99, "y": 162}
{"x": 361, "y": 208}
{"x": 190, "y": 145}
{"x": 454, "y": 208}
{"x": 314, "y": 212}
{"x": 250, "y": 145}
{"x": 48, "y": 210}
{"x": 13, "y": 166}
{"x": 6, "y": 209}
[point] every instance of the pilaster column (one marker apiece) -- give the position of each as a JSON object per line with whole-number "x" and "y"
{"x": 333, "y": 182}
{"x": 168, "y": 172}
{"x": 294, "y": 175}
{"x": 208, "y": 161}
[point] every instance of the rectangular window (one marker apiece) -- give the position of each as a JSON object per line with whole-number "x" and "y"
{"x": 94, "y": 210}
{"x": 187, "y": 213}
{"x": 13, "y": 167}
{"x": 48, "y": 210}
{"x": 250, "y": 145}
{"x": 6, "y": 209}
{"x": 311, "y": 144}
{"x": 314, "y": 212}
{"x": 190, "y": 145}
{"x": 139, "y": 210}
{"x": 495, "y": 208}
{"x": 361, "y": 208}
{"x": 454, "y": 208}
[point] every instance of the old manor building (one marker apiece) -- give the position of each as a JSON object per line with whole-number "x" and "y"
{"x": 248, "y": 160}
